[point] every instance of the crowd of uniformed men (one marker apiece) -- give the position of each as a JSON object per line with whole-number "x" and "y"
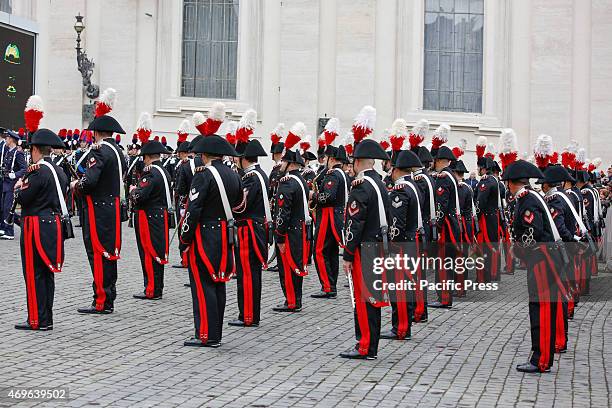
{"x": 233, "y": 219}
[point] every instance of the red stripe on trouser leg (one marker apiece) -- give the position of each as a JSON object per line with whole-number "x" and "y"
{"x": 360, "y": 306}
{"x": 287, "y": 276}
{"x": 594, "y": 268}
{"x": 419, "y": 310}
{"x": 255, "y": 246}
{"x": 305, "y": 248}
{"x": 444, "y": 294}
{"x": 247, "y": 283}
{"x": 403, "y": 322}
{"x": 143, "y": 232}
{"x": 55, "y": 268}
{"x": 560, "y": 343}
{"x": 544, "y": 315}
{"x": 319, "y": 257}
{"x": 203, "y": 329}
{"x": 223, "y": 265}
{"x": 30, "y": 281}
{"x": 99, "y": 281}
{"x": 95, "y": 241}
{"x": 184, "y": 259}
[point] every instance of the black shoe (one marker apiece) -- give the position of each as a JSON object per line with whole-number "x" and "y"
{"x": 324, "y": 295}
{"x": 561, "y": 351}
{"x": 354, "y": 354}
{"x": 145, "y": 297}
{"x": 78, "y": 226}
{"x": 423, "y": 320}
{"x": 438, "y": 305}
{"x": 273, "y": 268}
{"x": 391, "y": 335}
{"x": 93, "y": 310}
{"x": 187, "y": 285}
{"x": 26, "y": 326}
{"x": 179, "y": 266}
{"x": 194, "y": 342}
{"x": 527, "y": 368}
{"x": 285, "y": 308}
{"x": 236, "y": 323}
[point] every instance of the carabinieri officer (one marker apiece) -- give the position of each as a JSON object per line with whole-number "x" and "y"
{"x": 42, "y": 238}
{"x": 151, "y": 197}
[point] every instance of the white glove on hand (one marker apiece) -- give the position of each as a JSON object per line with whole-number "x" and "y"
{"x": 12, "y": 175}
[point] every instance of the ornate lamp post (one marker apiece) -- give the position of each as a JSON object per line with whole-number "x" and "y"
{"x": 85, "y": 67}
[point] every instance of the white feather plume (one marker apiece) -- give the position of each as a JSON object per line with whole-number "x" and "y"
{"x": 581, "y": 155}
{"x": 482, "y": 141}
{"x": 333, "y": 126}
{"x": 442, "y": 132}
{"x": 463, "y": 143}
{"x": 543, "y": 146}
{"x": 421, "y": 128}
{"x": 366, "y": 118}
{"x": 399, "y": 128}
{"x": 596, "y": 162}
{"x": 184, "y": 127}
{"x": 299, "y": 129}
{"x": 109, "y": 97}
{"x": 230, "y": 127}
{"x": 491, "y": 148}
{"x": 217, "y": 111}
{"x": 279, "y": 130}
{"x": 145, "y": 122}
{"x": 508, "y": 141}
{"x": 35, "y": 102}
{"x": 248, "y": 120}
{"x": 198, "y": 118}
{"x": 347, "y": 138}
{"x": 572, "y": 147}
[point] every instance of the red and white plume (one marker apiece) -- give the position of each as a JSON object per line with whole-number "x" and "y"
{"x": 34, "y": 112}
{"x": 399, "y": 134}
{"x": 581, "y": 159}
{"x": 543, "y": 150}
{"x": 490, "y": 151}
{"x": 440, "y": 136}
{"x": 364, "y": 123}
{"x": 384, "y": 140}
{"x": 106, "y": 102}
{"x": 330, "y": 133}
{"x": 348, "y": 142}
{"x": 278, "y": 133}
{"x": 459, "y": 150}
{"x": 508, "y": 147}
{"x": 321, "y": 142}
{"x": 296, "y": 134}
{"x": 246, "y": 126}
{"x": 212, "y": 123}
{"x": 568, "y": 155}
{"x": 481, "y": 146}
{"x": 230, "y": 131}
{"x": 418, "y": 133}
{"x": 307, "y": 143}
{"x": 143, "y": 127}
{"x": 183, "y": 131}
{"x": 594, "y": 164}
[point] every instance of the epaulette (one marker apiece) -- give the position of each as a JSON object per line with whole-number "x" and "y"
{"x": 146, "y": 168}
{"x": 330, "y": 171}
{"x": 523, "y": 194}
{"x": 276, "y": 166}
{"x": 33, "y": 167}
{"x": 357, "y": 182}
{"x": 283, "y": 179}
{"x": 249, "y": 174}
{"x": 200, "y": 169}
{"x": 96, "y": 146}
{"x": 484, "y": 177}
{"x": 418, "y": 177}
{"x": 308, "y": 171}
{"x": 398, "y": 187}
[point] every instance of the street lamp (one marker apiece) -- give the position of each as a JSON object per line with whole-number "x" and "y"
{"x": 84, "y": 64}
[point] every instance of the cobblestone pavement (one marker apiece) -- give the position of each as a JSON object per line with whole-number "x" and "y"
{"x": 134, "y": 357}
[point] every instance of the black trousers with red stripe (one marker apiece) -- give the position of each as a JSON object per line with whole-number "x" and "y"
{"x": 108, "y": 285}
{"x": 327, "y": 258}
{"x": 148, "y": 265}
{"x": 542, "y": 315}
{"x": 39, "y": 295}
{"x": 369, "y": 316}
{"x": 208, "y": 303}
{"x": 251, "y": 296}
{"x": 289, "y": 281}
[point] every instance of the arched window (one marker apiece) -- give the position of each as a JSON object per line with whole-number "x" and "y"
{"x": 453, "y": 68}
{"x": 210, "y": 48}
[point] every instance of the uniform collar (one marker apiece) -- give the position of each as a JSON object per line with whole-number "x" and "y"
{"x": 551, "y": 192}
{"x": 363, "y": 172}
{"x": 403, "y": 179}
{"x": 251, "y": 167}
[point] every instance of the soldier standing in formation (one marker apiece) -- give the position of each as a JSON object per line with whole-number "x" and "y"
{"x": 12, "y": 167}
{"x": 366, "y": 221}
{"x": 209, "y": 233}
{"x": 255, "y": 230}
{"x": 152, "y": 202}
{"x": 41, "y": 196}
{"x": 102, "y": 216}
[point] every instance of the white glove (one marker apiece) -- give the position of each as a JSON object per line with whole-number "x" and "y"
{"x": 182, "y": 212}
{"x": 12, "y": 175}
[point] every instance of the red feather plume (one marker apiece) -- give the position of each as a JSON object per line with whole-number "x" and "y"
{"x": 360, "y": 133}
{"x": 458, "y": 152}
{"x": 349, "y": 149}
{"x": 384, "y": 144}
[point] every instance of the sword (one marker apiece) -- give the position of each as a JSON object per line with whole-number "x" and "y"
{"x": 273, "y": 256}
{"x": 351, "y": 288}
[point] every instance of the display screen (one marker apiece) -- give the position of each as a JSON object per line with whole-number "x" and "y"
{"x": 17, "y": 64}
